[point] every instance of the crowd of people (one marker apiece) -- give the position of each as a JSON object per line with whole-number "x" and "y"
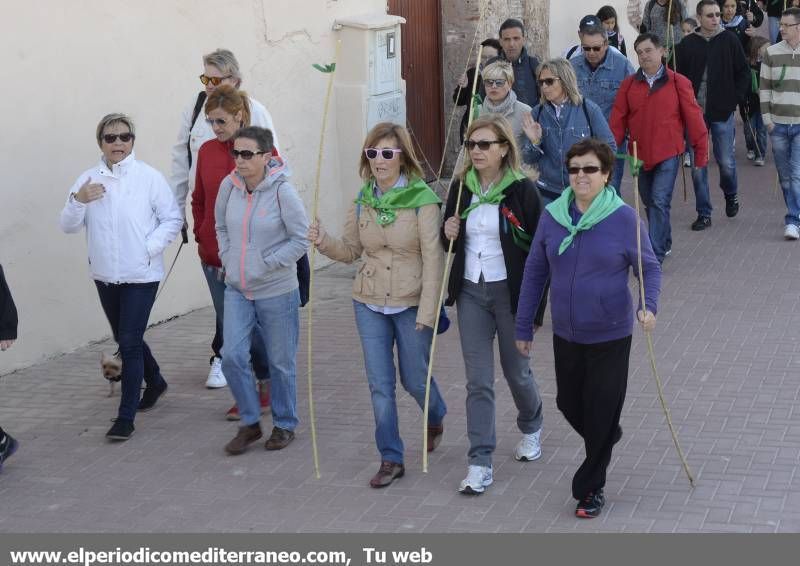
{"x": 517, "y": 236}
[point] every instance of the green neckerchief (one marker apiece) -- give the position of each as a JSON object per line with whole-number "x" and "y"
{"x": 494, "y": 195}
{"x": 606, "y": 202}
{"x": 416, "y": 194}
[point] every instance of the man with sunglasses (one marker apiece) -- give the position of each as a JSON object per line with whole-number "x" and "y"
{"x": 780, "y": 108}
{"x": 600, "y": 70}
{"x": 713, "y": 59}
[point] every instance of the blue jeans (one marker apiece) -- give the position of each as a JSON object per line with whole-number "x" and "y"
{"x": 656, "y": 186}
{"x": 378, "y": 333}
{"x": 279, "y": 319}
{"x": 127, "y": 307}
{"x": 619, "y": 169}
{"x": 773, "y": 28}
{"x": 216, "y": 286}
{"x": 755, "y": 135}
{"x": 786, "y": 149}
{"x": 723, "y": 139}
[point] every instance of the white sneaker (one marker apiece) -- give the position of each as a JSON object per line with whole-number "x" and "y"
{"x": 751, "y": 155}
{"x": 216, "y": 378}
{"x": 477, "y": 480}
{"x": 759, "y": 162}
{"x": 791, "y": 232}
{"x": 687, "y": 159}
{"x": 529, "y": 448}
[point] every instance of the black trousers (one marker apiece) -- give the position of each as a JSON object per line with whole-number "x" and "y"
{"x": 591, "y": 381}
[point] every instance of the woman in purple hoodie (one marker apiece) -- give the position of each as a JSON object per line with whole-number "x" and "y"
{"x": 586, "y": 245}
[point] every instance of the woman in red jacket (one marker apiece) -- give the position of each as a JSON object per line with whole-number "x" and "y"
{"x": 227, "y": 109}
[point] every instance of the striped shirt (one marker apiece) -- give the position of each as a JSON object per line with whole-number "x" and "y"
{"x": 779, "y": 89}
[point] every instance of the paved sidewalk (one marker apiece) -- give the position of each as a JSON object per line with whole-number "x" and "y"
{"x": 727, "y": 349}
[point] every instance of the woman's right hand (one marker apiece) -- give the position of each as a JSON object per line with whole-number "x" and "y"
{"x": 90, "y": 191}
{"x": 532, "y": 129}
{"x": 316, "y": 233}
{"x": 451, "y": 227}
{"x": 462, "y": 81}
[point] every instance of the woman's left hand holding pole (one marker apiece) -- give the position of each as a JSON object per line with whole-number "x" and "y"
{"x": 647, "y": 319}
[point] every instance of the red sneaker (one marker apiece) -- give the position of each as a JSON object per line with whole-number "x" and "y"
{"x": 263, "y": 399}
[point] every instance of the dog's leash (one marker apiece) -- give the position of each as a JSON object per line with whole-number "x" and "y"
{"x": 184, "y": 239}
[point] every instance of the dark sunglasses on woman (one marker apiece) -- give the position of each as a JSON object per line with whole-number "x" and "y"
{"x": 386, "y": 153}
{"x": 494, "y": 83}
{"x": 245, "y": 154}
{"x": 588, "y": 169}
{"x": 213, "y": 80}
{"x": 483, "y": 145}
{"x": 111, "y": 138}
{"x": 548, "y": 81}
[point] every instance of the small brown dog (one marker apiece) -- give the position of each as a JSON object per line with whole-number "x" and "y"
{"x": 111, "y": 367}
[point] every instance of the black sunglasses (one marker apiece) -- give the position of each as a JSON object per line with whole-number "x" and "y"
{"x": 494, "y": 83}
{"x": 588, "y": 169}
{"x": 245, "y": 154}
{"x": 386, "y": 153}
{"x": 111, "y": 138}
{"x": 213, "y": 80}
{"x": 595, "y": 48}
{"x": 548, "y": 81}
{"x": 483, "y": 145}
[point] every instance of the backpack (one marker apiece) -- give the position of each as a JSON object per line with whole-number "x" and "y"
{"x": 198, "y": 106}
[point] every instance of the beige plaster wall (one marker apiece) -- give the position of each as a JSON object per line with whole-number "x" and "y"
{"x": 69, "y": 63}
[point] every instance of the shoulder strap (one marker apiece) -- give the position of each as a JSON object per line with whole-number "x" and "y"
{"x": 588, "y": 120}
{"x": 198, "y": 106}
{"x": 571, "y": 51}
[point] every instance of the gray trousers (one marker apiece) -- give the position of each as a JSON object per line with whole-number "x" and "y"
{"x": 484, "y": 309}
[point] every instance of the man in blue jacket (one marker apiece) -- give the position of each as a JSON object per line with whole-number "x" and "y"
{"x": 600, "y": 70}
{"x": 512, "y": 38}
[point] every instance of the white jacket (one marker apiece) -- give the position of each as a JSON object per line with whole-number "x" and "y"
{"x": 183, "y": 177}
{"x": 128, "y": 229}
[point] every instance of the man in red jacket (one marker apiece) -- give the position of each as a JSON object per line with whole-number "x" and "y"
{"x": 655, "y": 106}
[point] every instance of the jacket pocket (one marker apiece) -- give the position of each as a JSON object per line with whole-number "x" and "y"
{"x": 256, "y": 271}
{"x": 364, "y": 284}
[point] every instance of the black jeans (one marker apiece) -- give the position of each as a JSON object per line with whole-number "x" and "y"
{"x": 127, "y": 307}
{"x": 591, "y": 381}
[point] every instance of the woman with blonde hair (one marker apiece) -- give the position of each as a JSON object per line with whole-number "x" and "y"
{"x": 227, "y": 110}
{"x": 500, "y": 209}
{"x": 562, "y": 118}
{"x": 498, "y": 79}
{"x": 393, "y": 228}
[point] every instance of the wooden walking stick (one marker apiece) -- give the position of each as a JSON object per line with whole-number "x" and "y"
{"x": 648, "y": 336}
{"x": 330, "y": 71}
{"x": 447, "y": 263}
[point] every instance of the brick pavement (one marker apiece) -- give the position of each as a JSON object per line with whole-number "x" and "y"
{"x": 726, "y": 345}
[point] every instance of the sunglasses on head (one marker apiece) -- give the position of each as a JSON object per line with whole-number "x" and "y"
{"x": 205, "y": 79}
{"x": 548, "y": 81}
{"x": 111, "y": 138}
{"x": 245, "y": 154}
{"x": 483, "y": 145}
{"x": 588, "y": 169}
{"x": 493, "y": 83}
{"x": 372, "y": 152}
{"x": 595, "y": 48}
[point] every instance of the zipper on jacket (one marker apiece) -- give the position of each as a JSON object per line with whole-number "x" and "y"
{"x": 245, "y": 240}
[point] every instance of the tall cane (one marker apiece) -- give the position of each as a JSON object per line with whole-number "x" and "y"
{"x": 648, "y": 336}
{"x": 447, "y": 262}
{"x": 330, "y": 70}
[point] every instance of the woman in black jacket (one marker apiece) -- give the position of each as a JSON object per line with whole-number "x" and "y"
{"x": 463, "y": 92}
{"x": 8, "y": 334}
{"x": 501, "y": 208}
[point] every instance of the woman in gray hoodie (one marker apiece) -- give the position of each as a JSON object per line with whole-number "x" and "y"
{"x": 261, "y": 229}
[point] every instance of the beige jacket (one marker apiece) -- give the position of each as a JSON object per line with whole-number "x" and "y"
{"x": 402, "y": 262}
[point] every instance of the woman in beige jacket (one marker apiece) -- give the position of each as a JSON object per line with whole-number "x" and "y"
{"x": 393, "y": 227}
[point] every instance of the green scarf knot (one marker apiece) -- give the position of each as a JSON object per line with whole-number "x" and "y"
{"x": 605, "y": 203}
{"x": 495, "y": 193}
{"x": 415, "y": 195}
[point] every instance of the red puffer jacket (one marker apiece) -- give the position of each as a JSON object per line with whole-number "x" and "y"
{"x": 214, "y": 163}
{"x": 656, "y": 118}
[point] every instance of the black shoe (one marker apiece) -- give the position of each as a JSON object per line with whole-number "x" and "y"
{"x": 122, "y": 429}
{"x": 7, "y": 447}
{"x": 590, "y": 506}
{"x": 150, "y": 396}
{"x": 617, "y": 434}
{"x": 732, "y": 205}
{"x": 701, "y": 223}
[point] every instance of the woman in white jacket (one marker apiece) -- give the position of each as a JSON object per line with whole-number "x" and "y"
{"x": 130, "y": 216}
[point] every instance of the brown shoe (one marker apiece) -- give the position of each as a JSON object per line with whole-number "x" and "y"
{"x": 435, "y": 434}
{"x": 387, "y": 474}
{"x": 244, "y": 438}
{"x": 279, "y": 439}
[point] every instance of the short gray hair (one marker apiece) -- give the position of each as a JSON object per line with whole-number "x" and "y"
{"x": 110, "y": 120}
{"x": 226, "y": 62}
{"x": 562, "y": 69}
{"x": 499, "y": 70}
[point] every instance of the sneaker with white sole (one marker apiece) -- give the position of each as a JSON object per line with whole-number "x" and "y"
{"x": 687, "y": 159}
{"x": 791, "y": 232}
{"x": 529, "y": 448}
{"x": 751, "y": 155}
{"x": 477, "y": 480}
{"x": 758, "y": 162}
{"x": 216, "y": 379}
